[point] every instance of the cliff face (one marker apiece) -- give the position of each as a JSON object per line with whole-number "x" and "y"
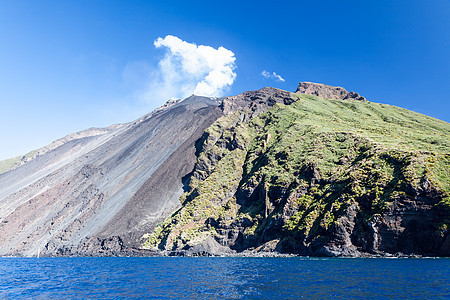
{"x": 264, "y": 171}
{"x": 96, "y": 194}
{"x": 312, "y": 176}
{"x": 326, "y": 91}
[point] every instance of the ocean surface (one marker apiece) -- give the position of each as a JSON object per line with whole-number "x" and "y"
{"x": 224, "y": 278}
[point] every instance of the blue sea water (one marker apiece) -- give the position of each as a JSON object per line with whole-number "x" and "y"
{"x": 223, "y": 278}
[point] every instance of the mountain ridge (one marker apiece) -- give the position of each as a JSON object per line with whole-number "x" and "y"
{"x": 110, "y": 191}
{"x": 83, "y": 184}
{"x": 224, "y": 220}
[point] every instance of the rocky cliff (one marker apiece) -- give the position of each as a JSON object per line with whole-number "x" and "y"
{"x": 318, "y": 172}
{"x": 295, "y": 173}
{"x": 326, "y": 91}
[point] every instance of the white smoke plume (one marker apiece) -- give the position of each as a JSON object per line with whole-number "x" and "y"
{"x": 272, "y": 75}
{"x": 190, "y": 69}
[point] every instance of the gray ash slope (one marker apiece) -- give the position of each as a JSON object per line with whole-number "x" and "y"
{"x": 99, "y": 194}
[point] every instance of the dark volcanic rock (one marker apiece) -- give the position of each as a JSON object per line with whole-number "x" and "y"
{"x": 255, "y": 102}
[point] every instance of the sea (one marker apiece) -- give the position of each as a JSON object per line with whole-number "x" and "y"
{"x": 224, "y": 278}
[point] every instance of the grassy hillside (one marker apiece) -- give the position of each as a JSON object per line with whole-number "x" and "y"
{"x": 11, "y": 163}
{"x": 294, "y": 173}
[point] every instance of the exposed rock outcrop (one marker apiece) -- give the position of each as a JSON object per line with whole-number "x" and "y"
{"x": 308, "y": 177}
{"x": 327, "y": 91}
{"x": 255, "y": 102}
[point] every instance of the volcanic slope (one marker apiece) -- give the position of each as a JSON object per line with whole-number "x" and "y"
{"x": 97, "y": 192}
{"x": 297, "y": 173}
{"x": 321, "y": 171}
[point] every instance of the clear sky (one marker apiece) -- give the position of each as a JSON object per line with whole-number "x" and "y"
{"x": 69, "y": 65}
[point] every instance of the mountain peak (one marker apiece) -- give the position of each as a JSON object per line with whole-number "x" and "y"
{"x": 263, "y": 171}
{"x": 327, "y": 91}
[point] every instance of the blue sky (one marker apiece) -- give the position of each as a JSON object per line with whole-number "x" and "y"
{"x": 69, "y": 65}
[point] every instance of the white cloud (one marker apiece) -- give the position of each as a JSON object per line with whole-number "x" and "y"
{"x": 272, "y": 75}
{"x": 190, "y": 69}
{"x": 265, "y": 74}
{"x": 278, "y": 77}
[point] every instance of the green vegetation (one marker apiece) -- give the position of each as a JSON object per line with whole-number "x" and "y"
{"x": 210, "y": 188}
{"x": 11, "y": 163}
{"x": 308, "y": 163}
